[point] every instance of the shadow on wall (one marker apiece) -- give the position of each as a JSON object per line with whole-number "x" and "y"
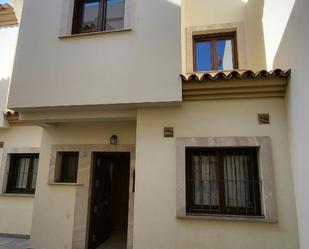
{"x": 293, "y": 52}
{"x": 4, "y": 85}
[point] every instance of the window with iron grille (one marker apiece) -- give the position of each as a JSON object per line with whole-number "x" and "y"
{"x": 222, "y": 181}
{"x": 22, "y": 174}
{"x": 68, "y": 167}
{"x": 98, "y": 15}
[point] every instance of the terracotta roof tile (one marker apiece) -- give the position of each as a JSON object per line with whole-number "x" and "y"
{"x": 235, "y": 74}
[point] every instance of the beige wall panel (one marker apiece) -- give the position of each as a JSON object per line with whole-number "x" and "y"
{"x": 156, "y": 225}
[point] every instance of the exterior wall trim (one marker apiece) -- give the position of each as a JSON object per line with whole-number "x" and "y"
{"x": 83, "y": 187}
{"x": 268, "y": 198}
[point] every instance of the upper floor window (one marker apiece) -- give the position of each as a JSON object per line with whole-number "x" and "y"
{"x": 215, "y": 52}
{"x": 23, "y": 170}
{"x": 223, "y": 181}
{"x": 98, "y": 15}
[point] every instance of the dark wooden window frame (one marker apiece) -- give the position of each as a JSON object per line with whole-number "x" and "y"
{"x": 12, "y": 175}
{"x": 78, "y": 14}
{"x": 222, "y": 209}
{"x": 212, "y": 38}
{"x": 63, "y": 176}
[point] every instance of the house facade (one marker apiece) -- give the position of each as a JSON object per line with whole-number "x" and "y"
{"x": 154, "y": 124}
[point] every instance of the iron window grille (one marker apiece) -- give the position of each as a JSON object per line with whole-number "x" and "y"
{"x": 223, "y": 181}
{"x": 22, "y": 175}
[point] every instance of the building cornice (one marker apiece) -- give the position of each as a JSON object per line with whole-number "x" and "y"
{"x": 235, "y": 84}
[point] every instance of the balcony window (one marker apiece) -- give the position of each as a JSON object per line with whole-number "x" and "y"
{"x": 98, "y": 15}
{"x": 215, "y": 52}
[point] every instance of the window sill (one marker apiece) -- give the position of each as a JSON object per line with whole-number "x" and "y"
{"x": 65, "y": 184}
{"x": 228, "y": 218}
{"x": 94, "y": 33}
{"x": 218, "y": 71}
{"x": 17, "y": 195}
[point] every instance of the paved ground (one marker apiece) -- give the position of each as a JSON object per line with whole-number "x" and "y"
{"x": 13, "y": 243}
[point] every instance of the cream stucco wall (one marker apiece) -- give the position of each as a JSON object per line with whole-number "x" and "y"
{"x": 156, "y": 225}
{"x": 137, "y": 66}
{"x": 286, "y": 35}
{"x": 16, "y": 211}
{"x": 54, "y": 205}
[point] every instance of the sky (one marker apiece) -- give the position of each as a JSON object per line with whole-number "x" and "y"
{"x": 4, "y": 1}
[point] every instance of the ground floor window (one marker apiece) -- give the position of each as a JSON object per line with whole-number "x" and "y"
{"x": 222, "y": 181}
{"x": 22, "y": 175}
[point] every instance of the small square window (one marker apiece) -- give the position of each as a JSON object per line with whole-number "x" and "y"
{"x": 22, "y": 176}
{"x": 215, "y": 52}
{"x": 67, "y": 167}
{"x": 223, "y": 181}
{"x": 98, "y": 15}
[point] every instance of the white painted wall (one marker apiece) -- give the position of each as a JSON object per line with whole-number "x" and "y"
{"x": 138, "y": 66}
{"x": 287, "y": 35}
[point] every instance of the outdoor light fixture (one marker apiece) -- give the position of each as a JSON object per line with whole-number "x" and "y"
{"x": 113, "y": 140}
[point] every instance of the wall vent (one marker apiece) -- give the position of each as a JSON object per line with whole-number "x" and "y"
{"x": 263, "y": 118}
{"x": 168, "y": 131}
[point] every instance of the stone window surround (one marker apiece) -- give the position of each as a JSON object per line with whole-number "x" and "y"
{"x": 216, "y": 29}
{"x": 83, "y": 187}
{"x": 265, "y": 162}
{"x": 5, "y": 166}
{"x": 67, "y": 19}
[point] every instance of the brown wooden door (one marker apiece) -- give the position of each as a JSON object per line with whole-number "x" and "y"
{"x": 110, "y": 184}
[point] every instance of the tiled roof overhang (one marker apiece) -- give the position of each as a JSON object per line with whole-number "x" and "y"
{"x": 228, "y": 75}
{"x": 7, "y": 15}
{"x": 235, "y": 84}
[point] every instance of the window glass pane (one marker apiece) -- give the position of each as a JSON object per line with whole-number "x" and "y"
{"x": 225, "y": 55}
{"x": 115, "y": 14}
{"x": 203, "y": 56}
{"x": 205, "y": 185}
{"x": 22, "y": 173}
{"x": 34, "y": 172}
{"x": 90, "y": 16}
{"x": 69, "y": 167}
{"x": 72, "y": 162}
{"x": 236, "y": 180}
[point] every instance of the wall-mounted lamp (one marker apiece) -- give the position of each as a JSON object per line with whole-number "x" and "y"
{"x": 113, "y": 140}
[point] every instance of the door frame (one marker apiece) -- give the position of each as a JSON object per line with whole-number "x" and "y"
{"x": 92, "y": 189}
